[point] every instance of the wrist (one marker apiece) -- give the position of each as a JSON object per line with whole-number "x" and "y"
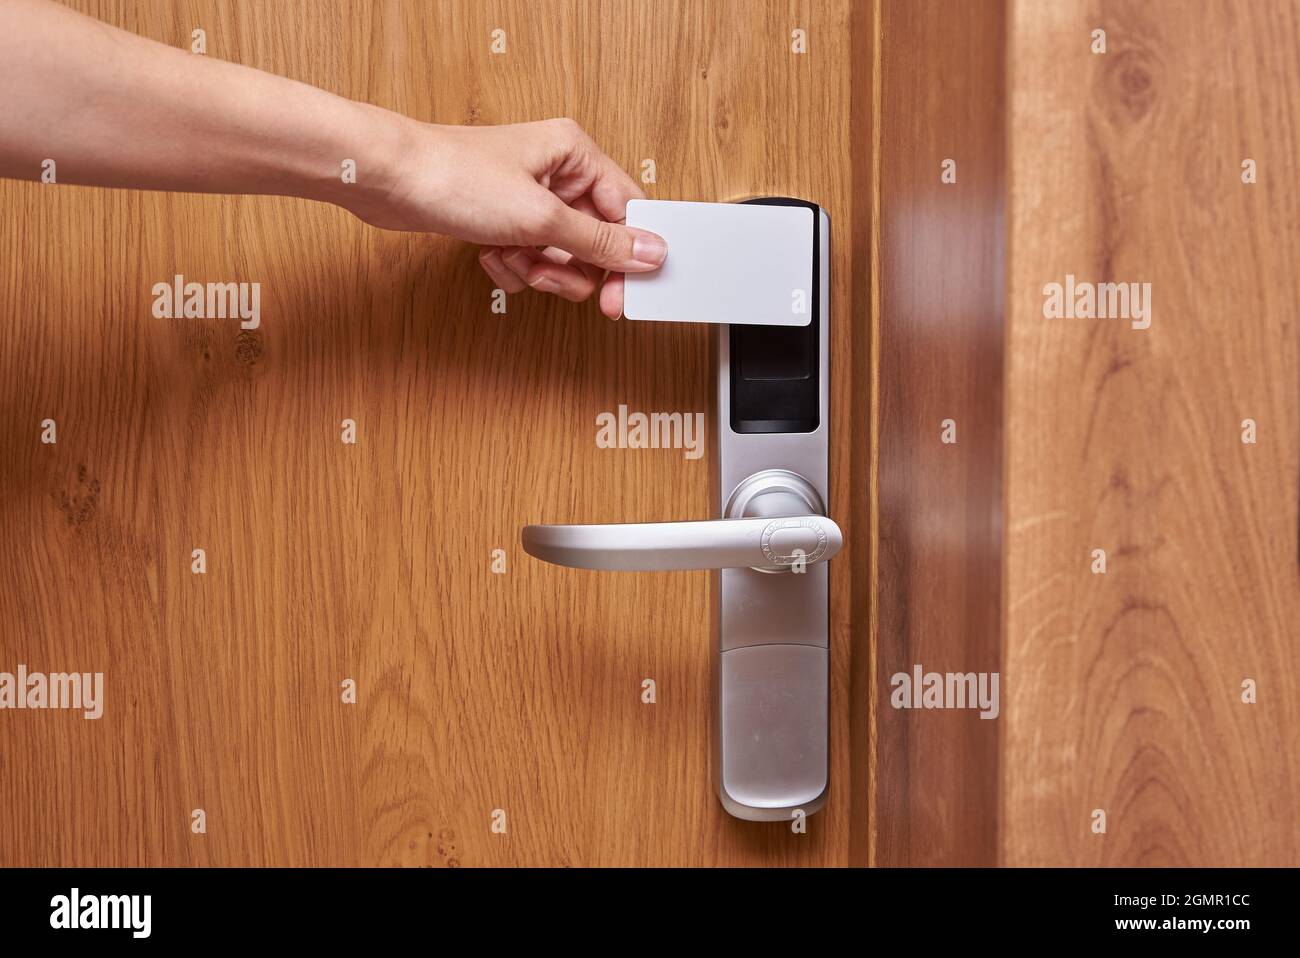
{"x": 368, "y": 149}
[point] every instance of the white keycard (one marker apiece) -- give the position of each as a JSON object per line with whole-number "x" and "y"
{"x": 727, "y": 263}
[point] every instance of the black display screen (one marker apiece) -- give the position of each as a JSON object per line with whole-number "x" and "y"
{"x": 774, "y": 369}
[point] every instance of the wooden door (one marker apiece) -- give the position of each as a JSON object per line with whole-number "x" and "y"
{"x": 476, "y": 691}
{"x": 1162, "y": 692}
{"x": 1157, "y": 690}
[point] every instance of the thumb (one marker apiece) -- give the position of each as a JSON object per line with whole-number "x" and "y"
{"x": 612, "y": 246}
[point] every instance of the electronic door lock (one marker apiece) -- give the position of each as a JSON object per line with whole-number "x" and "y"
{"x": 769, "y": 549}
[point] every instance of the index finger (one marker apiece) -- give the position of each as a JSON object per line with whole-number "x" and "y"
{"x": 612, "y": 189}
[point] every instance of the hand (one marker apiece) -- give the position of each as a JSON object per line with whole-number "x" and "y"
{"x": 541, "y": 198}
{"x": 544, "y": 201}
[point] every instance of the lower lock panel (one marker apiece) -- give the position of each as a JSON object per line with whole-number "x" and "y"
{"x": 772, "y": 734}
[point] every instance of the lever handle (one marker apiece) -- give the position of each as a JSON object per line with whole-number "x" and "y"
{"x": 772, "y": 544}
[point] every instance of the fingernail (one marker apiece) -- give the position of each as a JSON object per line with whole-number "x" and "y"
{"x": 649, "y": 249}
{"x": 545, "y": 284}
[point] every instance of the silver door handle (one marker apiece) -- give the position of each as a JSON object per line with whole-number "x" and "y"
{"x": 769, "y": 544}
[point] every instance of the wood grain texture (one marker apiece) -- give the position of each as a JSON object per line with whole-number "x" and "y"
{"x": 938, "y": 279}
{"x": 1123, "y": 691}
{"x": 863, "y": 282}
{"x": 326, "y": 561}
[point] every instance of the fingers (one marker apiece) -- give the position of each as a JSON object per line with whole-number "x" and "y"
{"x": 552, "y": 271}
{"x": 519, "y": 260}
{"x": 612, "y": 190}
{"x": 582, "y": 245}
{"x": 559, "y": 273}
{"x": 611, "y": 293}
{"x": 600, "y": 243}
{"x": 493, "y": 264}
{"x": 611, "y": 187}
{"x": 611, "y": 296}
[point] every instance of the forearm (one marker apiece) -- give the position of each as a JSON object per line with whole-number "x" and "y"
{"x": 115, "y": 109}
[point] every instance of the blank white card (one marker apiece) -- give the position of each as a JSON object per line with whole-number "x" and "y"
{"x": 727, "y": 263}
